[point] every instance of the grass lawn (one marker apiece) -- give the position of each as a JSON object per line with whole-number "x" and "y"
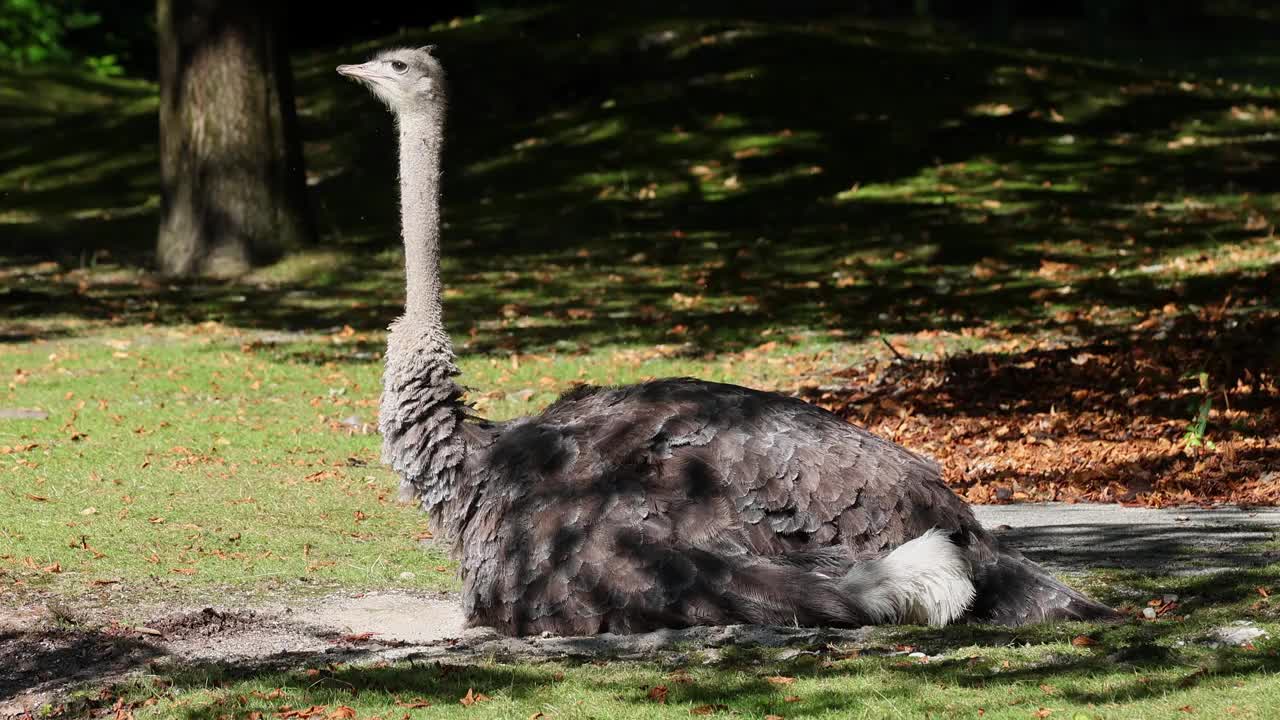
{"x": 740, "y": 199}
{"x": 1051, "y": 680}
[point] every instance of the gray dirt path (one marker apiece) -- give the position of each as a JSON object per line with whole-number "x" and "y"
{"x": 1072, "y": 538}
{"x": 45, "y": 650}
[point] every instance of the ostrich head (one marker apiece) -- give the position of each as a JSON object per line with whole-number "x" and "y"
{"x": 406, "y": 79}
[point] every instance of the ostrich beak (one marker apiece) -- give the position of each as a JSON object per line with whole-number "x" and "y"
{"x": 356, "y": 71}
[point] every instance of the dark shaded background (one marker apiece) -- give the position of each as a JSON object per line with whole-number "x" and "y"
{"x": 128, "y": 27}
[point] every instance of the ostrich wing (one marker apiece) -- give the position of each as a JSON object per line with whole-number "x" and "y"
{"x": 800, "y": 478}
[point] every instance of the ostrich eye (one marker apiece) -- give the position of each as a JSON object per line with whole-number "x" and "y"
{"x": 399, "y": 66}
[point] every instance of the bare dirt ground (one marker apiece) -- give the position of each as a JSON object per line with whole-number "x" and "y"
{"x": 46, "y": 652}
{"x": 49, "y": 647}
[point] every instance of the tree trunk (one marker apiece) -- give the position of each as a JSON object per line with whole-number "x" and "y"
{"x": 233, "y": 181}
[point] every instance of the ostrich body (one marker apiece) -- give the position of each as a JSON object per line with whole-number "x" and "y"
{"x": 668, "y": 503}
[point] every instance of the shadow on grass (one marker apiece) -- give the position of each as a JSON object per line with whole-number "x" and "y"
{"x": 1139, "y": 660}
{"x": 708, "y": 153}
{"x": 1133, "y": 685}
{"x": 444, "y": 685}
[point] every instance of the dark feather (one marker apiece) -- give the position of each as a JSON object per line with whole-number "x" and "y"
{"x": 680, "y": 501}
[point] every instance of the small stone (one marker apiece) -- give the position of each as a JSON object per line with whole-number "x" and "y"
{"x": 406, "y": 575}
{"x": 475, "y": 638}
{"x": 1169, "y": 598}
{"x": 677, "y": 660}
{"x": 23, "y": 414}
{"x": 1149, "y": 613}
{"x": 1241, "y": 632}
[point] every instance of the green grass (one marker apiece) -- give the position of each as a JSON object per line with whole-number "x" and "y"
{"x": 1116, "y": 678}
{"x": 176, "y": 459}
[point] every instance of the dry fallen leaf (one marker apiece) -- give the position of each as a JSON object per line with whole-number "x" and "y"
{"x": 658, "y": 693}
{"x": 791, "y": 698}
{"x": 781, "y": 680}
{"x": 415, "y": 703}
{"x": 1083, "y": 641}
{"x": 1042, "y": 713}
{"x": 708, "y": 709}
{"x": 287, "y": 712}
{"x": 472, "y": 697}
{"x": 342, "y": 712}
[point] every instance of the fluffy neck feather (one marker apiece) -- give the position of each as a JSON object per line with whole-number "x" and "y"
{"x": 422, "y": 415}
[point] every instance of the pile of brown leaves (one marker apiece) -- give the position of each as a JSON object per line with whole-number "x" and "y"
{"x": 1111, "y": 420}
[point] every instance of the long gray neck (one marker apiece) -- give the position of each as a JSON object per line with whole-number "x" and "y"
{"x": 421, "y": 146}
{"x": 422, "y": 415}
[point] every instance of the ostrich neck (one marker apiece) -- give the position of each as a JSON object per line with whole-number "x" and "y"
{"x": 421, "y": 143}
{"x": 422, "y": 415}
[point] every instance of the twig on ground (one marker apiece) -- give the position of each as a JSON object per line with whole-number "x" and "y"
{"x": 893, "y": 350}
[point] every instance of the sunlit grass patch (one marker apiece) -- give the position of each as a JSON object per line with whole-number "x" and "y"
{"x": 175, "y": 459}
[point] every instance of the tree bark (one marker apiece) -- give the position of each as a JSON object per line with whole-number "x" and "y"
{"x": 233, "y": 180}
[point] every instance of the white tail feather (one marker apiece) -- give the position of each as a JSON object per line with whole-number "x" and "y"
{"x": 925, "y": 580}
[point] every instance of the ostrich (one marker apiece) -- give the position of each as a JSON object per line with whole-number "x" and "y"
{"x": 672, "y": 502}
